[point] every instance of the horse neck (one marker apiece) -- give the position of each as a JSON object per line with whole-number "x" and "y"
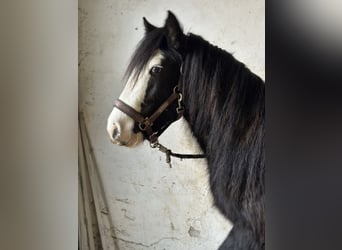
{"x": 220, "y": 94}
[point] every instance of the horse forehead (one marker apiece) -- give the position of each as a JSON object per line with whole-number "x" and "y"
{"x": 156, "y": 59}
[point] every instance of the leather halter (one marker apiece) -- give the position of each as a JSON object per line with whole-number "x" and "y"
{"x": 145, "y": 123}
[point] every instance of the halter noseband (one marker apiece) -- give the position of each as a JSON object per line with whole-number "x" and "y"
{"x": 145, "y": 123}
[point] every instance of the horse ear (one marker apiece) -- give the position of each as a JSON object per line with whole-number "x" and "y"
{"x": 148, "y": 27}
{"x": 174, "y": 32}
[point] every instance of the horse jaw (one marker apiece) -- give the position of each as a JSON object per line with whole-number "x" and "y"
{"x": 133, "y": 95}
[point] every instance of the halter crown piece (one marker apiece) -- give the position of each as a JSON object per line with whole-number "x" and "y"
{"x": 145, "y": 123}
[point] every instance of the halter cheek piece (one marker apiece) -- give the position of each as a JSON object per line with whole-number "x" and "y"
{"x": 145, "y": 123}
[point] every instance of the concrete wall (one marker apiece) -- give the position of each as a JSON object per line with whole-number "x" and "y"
{"x": 153, "y": 206}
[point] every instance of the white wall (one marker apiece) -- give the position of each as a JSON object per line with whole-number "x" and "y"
{"x": 153, "y": 206}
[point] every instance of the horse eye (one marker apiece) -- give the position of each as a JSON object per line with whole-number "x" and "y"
{"x": 156, "y": 69}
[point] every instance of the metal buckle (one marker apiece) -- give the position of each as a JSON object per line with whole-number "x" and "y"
{"x": 154, "y": 144}
{"x": 180, "y": 110}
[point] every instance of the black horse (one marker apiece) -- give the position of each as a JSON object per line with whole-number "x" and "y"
{"x": 173, "y": 74}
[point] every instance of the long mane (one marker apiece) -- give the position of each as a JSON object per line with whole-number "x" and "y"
{"x": 225, "y": 107}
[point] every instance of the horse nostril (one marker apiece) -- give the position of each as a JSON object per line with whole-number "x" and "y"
{"x": 115, "y": 133}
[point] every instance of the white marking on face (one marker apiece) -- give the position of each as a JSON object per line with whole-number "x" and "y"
{"x": 119, "y": 125}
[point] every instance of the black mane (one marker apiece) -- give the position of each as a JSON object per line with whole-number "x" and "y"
{"x": 225, "y": 107}
{"x": 221, "y": 95}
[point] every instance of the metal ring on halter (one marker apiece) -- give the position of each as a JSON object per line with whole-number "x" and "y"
{"x": 176, "y": 89}
{"x": 144, "y": 124}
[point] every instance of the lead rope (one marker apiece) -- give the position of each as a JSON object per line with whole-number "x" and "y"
{"x": 168, "y": 153}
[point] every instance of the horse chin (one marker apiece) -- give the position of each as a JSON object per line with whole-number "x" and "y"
{"x": 135, "y": 140}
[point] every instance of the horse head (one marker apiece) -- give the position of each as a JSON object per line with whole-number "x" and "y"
{"x": 150, "y": 100}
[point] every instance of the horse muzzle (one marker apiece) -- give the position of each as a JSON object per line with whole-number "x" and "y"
{"x": 120, "y": 130}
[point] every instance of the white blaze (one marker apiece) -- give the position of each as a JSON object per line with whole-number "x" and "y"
{"x": 133, "y": 94}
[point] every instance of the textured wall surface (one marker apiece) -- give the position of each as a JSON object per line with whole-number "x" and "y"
{"x": 153, "y": 206}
